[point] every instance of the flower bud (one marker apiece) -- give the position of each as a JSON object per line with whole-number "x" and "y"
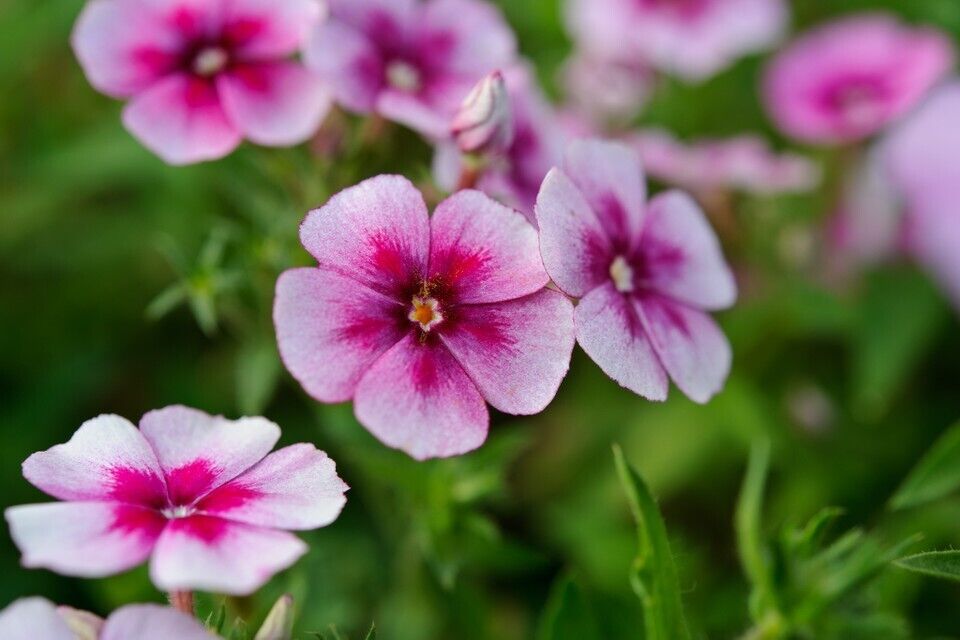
{"x": 279, "y": 622}
{"x": 85, "y": 625}
{"x": 484, "y": 122}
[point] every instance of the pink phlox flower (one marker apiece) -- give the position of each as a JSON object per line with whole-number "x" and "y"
{"x": 646, "y": 273}
{"x": 421, "y": 320}
{"x": 606, "y": 90}
{"x": 202, "y": 497}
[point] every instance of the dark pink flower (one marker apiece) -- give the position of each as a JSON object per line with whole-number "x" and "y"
{"x": 203, "y": 74}
{"x": 693, "y": 39}
{"x": 197, "y": 494}
{"x": 38, "y": 619}
{"x": 412, "y": 61}
{"x": 845, "y": 81}
{"x": 742, "y": 163}
{"x": 645, "y": 273}
{"x": 420, "y": 320}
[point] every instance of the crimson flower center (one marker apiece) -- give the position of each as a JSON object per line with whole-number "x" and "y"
{"x": 210, "y": 61}
{"x": 426, "y": 312}
{"x": 621, "y": 273}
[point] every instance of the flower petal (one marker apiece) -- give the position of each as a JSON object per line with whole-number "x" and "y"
{"x": 612, "y": 334}
{"x": 346, "y": 59}
{"x": 609, "y": 176}
{"x": 518, "y": 351}
{"x": 296, "y": 487}
{"x": 471, "y": 37}
{"x": 199, "y": 452}
{"x": 181, "y": 120}
{"x": 330, "y": 329}
{"x": 33, "y": 618}
{"x": 575, "y": 249}
{"x": 377, "y": 232}
{"x": 212, "y": 554}
{"x": 86, "y": 539}
{"x": 484, "y": 251}
{"x": 106, "y": 459}
{"x": 274, "y": 103}
{"x": 423, "y": 116}
{"x": 264, "y": 29}
{"x": 681, "y": 255}
{"x": 417, "y": 398}
{"x": 152, "y": 622}
{"x": 690, "y": 345}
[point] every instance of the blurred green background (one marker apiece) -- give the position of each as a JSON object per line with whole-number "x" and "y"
{"x": 128, "y": 285}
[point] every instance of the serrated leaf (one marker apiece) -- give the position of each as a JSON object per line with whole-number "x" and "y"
{"x": 936, "y": 475}
{"x": 940, "y": 564}
{"x": 654, "y": 575}
{"x": 568, "y": 615}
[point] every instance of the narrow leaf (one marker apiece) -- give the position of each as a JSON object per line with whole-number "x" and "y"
{"x": 936, "y": 475}
{"x": 372, "y": 634}
{"x": 754, "y": 554}
{"x": 940, "y": 564}
{"x": 567, "y": 615}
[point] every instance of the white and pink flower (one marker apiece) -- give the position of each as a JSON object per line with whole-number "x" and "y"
{"x": 421, "y": 320}
{"x": 201, "y": 75}
{"x": 646, "y": 273}
{"x": 411, "y": 61}
{"x": 202, "y": 497}
{"x": 849, "y": 79}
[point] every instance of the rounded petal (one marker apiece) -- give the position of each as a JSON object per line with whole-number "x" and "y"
{"x": 180, "y": 119}
{"x": 274, "y": 103}
{"x": 346, "y": 59}
{"x": 377, "y": 232}
{"x": 199, "y": 452}
{"x": 609, "y": 176}
{"x": 330, "y": 329}
{"x": 212, "y": 554}
{"x": 517, "y": 352}
{"x": 690, "y": 345}
{"x": 86, "y": 539}
{"x": 106, "y": 459}
{"x": 417, "y": 398}
{"x": 575, "y": 249}
{"x": 425, "y": 117}
{"x": 296, "y": 487}
{"x": 470, "y": 37}
{"x": 681, "y": 255}
{"x": 610, "y": 331}
{"x": 152, "y": 622}
{"x": 484, "y": 251}
{"x": 264, "y": 29}
{"x": 33, "y": 618}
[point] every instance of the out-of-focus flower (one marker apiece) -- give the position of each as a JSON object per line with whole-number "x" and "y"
{"x": 411, "y": 61}
{"x": 38, "y": 619}
{"x": 743, "y": 163}
{"x": 420, "y": 319}
{"x": 847, "y": 80}
{"x": 513, "y": 176}
{"x": 279, "y": 622}
{"x": 693, "y": 39}
{"x": 197, "y": 494}
{"x": 484, "y": 122}
{"x": 203, "y": 74}
{"x": 606, "y": 90}
{"x": 645, "y": 272}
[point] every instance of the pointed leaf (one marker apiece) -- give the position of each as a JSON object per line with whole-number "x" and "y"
{"x": 936, "y": 475}
{"x": 940, "y": 564}
{"x": 753, "y": 551}
{"x": 568, "y": 615}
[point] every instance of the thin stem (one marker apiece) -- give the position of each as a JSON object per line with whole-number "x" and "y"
{"x": 468, "y": 176}
{"x": 182, "y": 601}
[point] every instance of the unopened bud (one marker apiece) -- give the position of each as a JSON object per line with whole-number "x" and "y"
{"x": 85, "y": 625}
{"x": 279, "y": 622}
{"x": 484, "y": 122}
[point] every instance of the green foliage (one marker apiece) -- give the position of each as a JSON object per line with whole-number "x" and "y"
{"x": 568, "y": 615}
{"x": 940, "y": 564}
{"x": 935, "y": 476}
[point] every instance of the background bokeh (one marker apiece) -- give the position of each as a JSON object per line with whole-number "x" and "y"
{"x": 127, "y": 285}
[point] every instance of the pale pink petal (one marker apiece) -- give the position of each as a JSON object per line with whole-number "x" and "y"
{"x": 574, "y": 246}
{"x": 274, "y": 103}
{"x": 264, "y": 29}
{"x": 330, "y": 329}
{"x": 483, "y": 251}
{"x": 296, "y": 487}
{"x": 212, "y": 554}
{"x": 517, "y": 352}
{"x": 346, "y": 59}
{"x": 152, "y": 622}
{"x": 377, "y": 232}
{"x": 199, "y": 452}
{"x": 611, "y": 332}
{"x": 106, "y": 459}
{"x": 681, "y": 255}
{"x": 125, "y": 46}
{"x": 690, "y": 345}
{"x": 33, "y": 618}
{"x": 379, "y": 17}
{"x": 609, "y": 176}
{"x": 469, "y": 36}
{"x": 86, "y": 539}
{"x": 180, "y": 119}
{"x": 431, "y": 120}
{"x": 418, "y": 399}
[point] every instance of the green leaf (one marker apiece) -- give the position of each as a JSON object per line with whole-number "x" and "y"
{"x": 936, "y": 475}
{"x": 940, "y": 564}
{"x": 257, "y": 374}
{"x": 568, "y": 615}
{"x": 654, "y": 576}
{"x": 372, "y": 634}
{"x": 754, "y": 554}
